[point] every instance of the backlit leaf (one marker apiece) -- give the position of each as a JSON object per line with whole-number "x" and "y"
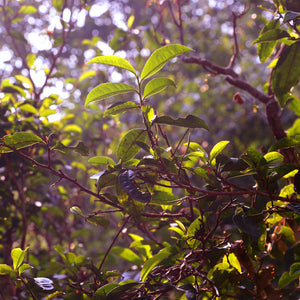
{"x": 156, "y": 85}
{"x": 29, "y": 108}
{"x": 106, "y": 90}
{"x": 17, "y": 255}
{"x": 127, "y": 254}
{"x": 114, "y": 61}
{"x": 5, "y": 269}
{"x": 24, "y": 267}
{"x": 160, "y": 57}
{"x": 156, "y": 260}
{"x": 217, "y": 149}
{"x": 86, "y": 75}
{"x": 27, "y": 9}
{"x": 101, "y": 160}
{"x": 19, "y": 140}
{"x": 272, "y": 35}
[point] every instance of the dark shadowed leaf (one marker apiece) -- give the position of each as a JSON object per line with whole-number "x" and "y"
{"x": 286, "y": 73}
{"x": 189, "y": 121}
{"x": 127, "y": 183}
{"x": 286, "y": 143}
{"x": 128, "y": 147}
{"x": 264, "y": 50}
{"x": 98, "y": 221}
{"x": 81, "y": 148}
{"x": 119, "y": 108}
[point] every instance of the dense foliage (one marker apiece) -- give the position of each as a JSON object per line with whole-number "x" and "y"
{"x": 149, "y": 150}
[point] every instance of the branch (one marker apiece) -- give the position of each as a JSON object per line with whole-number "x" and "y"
{"x": 113, "y": 242}
{"x": 62, "y": 175}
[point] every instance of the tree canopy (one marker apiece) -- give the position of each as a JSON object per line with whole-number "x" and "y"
{"x": 149, "y": 149}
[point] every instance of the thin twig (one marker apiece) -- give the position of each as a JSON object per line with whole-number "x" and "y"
{"x": 113, "y": 242}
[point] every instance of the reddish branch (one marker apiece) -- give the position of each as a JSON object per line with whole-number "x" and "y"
{"x": 61, "y": 175}
{"x": 270, "y": 102}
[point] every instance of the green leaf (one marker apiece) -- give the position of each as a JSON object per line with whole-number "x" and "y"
{"x": 294, "y": 131}
{"x": 189, "y": 121}
{"x": 294, "y": 104}
{"x": 290, "y": 15}
{"x": 19, "y": 140}
{"x": 234, "y": 262}
{"x": 121, "y": 288}
{"x": 106, "y": 90}
{"x": 30, "y": 59}
{"x": 128, "y": 147}
{"x": 130, "y": 21}
{"x": 217, "y": 149}
{"x": 24, "y": 79}
{"x": 101, "y": 160}
{"x": 114, "y": 61}
{"x": 24, "y": 267}
{"x": 127, "y": 254}
{"x": 288, "y": 233}
{"x": 286, "y": 279}
{"x": 163, "y": 198}
{"x": 253, "y": 157}
{"x": 160, "y": 57}
{"x": 120, "y": 107}
{"x": 5, "y": 269}
{"x": 274, "y": 158}
{"x": 286, "y": 142}
{"x": 272, "y": 35}
{"x": 17, "y": 255}
{"x": 73, "y": 128}
{"x": 106, "y": 179}
{"x": 29, "y": 108}
{"x": 99, "y": 221}
{"x": 81, "y": 148}
{"x": 156, "y": 85}
{"x": 86, "y": 75}
{"x": 58, "y": 4}
{"x": 295, "y": 269}
{"x": 286, "y": 73}
{"x": 102, "y": 292}
{"x": 156, "y": 260}
{"x": 27, "y": 10}
{"x": 264, "y": 50}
